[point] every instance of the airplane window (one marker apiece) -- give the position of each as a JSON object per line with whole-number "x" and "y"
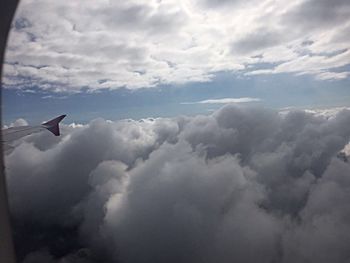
{"x": 177, "y": 131}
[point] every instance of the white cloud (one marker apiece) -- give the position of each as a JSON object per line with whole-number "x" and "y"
{"x": 225, "y": 101}
{"x": 347, "y": 149}
{"x": 211, "y": 187}
{"x": 19, "y": 122}
{"x": 333, "y": 75}
{"x": 64, "y": 46}
{"x": 319, "y": 112}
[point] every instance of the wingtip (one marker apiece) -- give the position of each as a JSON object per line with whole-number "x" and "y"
{"x": 55, "y": 120}
{"x": 61, "y": 117}
{"x": 52, "y": 125}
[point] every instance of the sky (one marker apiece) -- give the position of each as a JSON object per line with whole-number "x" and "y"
{"x": 137, "y": 59}
{"x": 196, "y": 131}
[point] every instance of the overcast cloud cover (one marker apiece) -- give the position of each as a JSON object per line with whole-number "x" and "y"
{"x": 78, "y": 45}
{"x": 240, "y": 185}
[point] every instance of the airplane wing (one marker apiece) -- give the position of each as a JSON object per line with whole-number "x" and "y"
{"x": 15, "y": 133}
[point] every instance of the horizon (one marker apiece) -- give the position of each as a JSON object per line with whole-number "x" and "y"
{"x": 162, "y": 55}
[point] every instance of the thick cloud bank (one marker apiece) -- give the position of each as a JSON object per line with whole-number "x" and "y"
{"x": 241, "y": 185}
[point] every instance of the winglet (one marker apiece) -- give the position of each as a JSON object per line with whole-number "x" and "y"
{"x": 52, "y": 125}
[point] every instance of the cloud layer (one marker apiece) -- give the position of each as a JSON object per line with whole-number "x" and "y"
{"x": 240, "y": 185}
{"x": 68, "y": 47}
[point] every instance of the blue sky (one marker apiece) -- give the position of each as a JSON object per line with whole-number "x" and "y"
{"x": 274, "y": 91}
{"x": 160, "y": 58}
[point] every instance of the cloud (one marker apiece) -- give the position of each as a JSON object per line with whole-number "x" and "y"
{"x": 140, "y": 44}
{"x": 224, "y": 3}
{"x": 316, "y": 15}
{"x": 262, "y": 38}
{"x": 318, "y": 65}
{"x": 19, "y": 122}
{"x": 186, "y": 189}
{"x": 225, "y": 101}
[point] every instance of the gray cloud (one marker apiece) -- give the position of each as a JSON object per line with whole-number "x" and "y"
{"x": 140, "y": 17}
{"x": 243, "y": 185}
{"x": 254, "y": 42}
{"x": 315, "y": 14}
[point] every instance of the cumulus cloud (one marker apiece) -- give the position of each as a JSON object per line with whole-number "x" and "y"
{"x": 68, "y": 47}
{"x": 240, "y": 185}
{"x": 19, "y": 122}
